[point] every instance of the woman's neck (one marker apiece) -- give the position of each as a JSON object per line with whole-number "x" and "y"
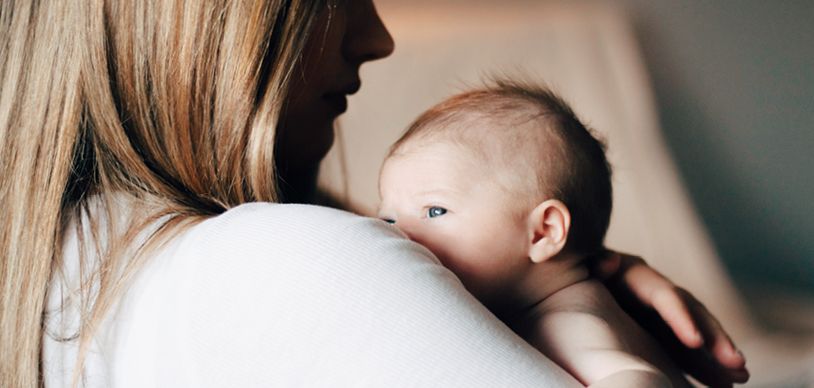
{"x": 298, "y": 186}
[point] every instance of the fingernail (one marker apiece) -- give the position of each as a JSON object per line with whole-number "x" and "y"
{"x": 741, "y": 375}
{"x": 734, "y": 350}
{"x": 698, "y": 337}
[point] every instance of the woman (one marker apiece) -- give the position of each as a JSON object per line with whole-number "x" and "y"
{"x": 133, "y": 137}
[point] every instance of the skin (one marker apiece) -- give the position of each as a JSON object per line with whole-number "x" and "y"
{"x": 435, "y": 196}
{"x": 510, "y": 254}
{"x": 346, "y": 36}
{"x": 440, "y": 195}
{"x": 330, "y": 67}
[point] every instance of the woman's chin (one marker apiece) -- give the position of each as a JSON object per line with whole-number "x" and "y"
{"x": 323, "y": 143}
{"x": 311, "y": 153}
{"x": 304, "y": 147}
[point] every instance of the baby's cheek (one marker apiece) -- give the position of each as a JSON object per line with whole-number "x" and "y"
{"x": 492, "y": 265}
{"x": 444, "y": 249}
{"x": 473, "y": 258}
{"x": 472, "y": 262}
{"x": 435, "y": 242}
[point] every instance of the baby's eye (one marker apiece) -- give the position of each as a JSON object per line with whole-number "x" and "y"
{"x": 436, "y": 211}
{"x": 389, "y": 221}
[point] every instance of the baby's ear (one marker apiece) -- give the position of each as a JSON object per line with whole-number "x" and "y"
{"x": 549, "y": 224}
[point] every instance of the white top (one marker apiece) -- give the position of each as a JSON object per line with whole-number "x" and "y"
{"x": 293, "y": 295}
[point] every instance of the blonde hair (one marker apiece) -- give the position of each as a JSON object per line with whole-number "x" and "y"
{"x": 174, "y": 103}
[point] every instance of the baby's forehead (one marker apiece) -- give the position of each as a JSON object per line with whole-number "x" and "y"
{"x": 444, "y": 154}
{"x": 433, "y": 167}
{"x": 492, "y": 141}
{"x": 517, "y": 157}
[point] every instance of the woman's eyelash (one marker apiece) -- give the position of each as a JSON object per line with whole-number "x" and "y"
{"x": 436, "y": 211}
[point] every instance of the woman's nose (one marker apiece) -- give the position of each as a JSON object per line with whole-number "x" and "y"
{"x": 367, "y": 38}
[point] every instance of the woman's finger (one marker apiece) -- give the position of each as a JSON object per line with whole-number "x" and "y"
{"x": 606, "y": 264}
{"x": 662, "y": 295}
{"x": 708, "y": 354}
{"x": 670, "y": 305}
{"x": 725, "y": 364}
{"x": 721, "y": 347}
{"x": 703, "y": 362}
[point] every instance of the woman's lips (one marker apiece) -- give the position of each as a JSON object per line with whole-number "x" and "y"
{"x": 338, "y": 100}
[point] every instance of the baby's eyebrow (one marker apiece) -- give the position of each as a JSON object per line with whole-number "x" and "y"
{"x": 433, "y": 192}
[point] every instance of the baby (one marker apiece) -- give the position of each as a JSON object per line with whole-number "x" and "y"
{"x": 511, "y": 192}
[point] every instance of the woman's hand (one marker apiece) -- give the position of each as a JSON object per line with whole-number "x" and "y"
{"x": 684, "y": 327}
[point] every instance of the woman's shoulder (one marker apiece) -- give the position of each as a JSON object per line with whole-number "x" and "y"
{"x": 264, "y": 210}
{"x": 282, "y": 295}
{"x": 268, "y": 284}
{"x": 266, "y": 230}
{"x": 291, "y": 218}
{"x": 262, "y": 244}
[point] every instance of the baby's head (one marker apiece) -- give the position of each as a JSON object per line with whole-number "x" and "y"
{"x": 495, "y": 180}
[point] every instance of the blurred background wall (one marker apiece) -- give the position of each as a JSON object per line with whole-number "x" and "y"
{"x": 734, "y": 84}
{"x": 734, "y": 81}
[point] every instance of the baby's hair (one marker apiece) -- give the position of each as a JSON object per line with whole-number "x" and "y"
{"x": 573, "y": 167}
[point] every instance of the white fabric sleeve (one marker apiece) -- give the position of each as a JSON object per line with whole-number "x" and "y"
{"x": 297, "y": 295}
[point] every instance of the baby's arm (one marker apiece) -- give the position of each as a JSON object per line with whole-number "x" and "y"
{"x": 587, "y": 346}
